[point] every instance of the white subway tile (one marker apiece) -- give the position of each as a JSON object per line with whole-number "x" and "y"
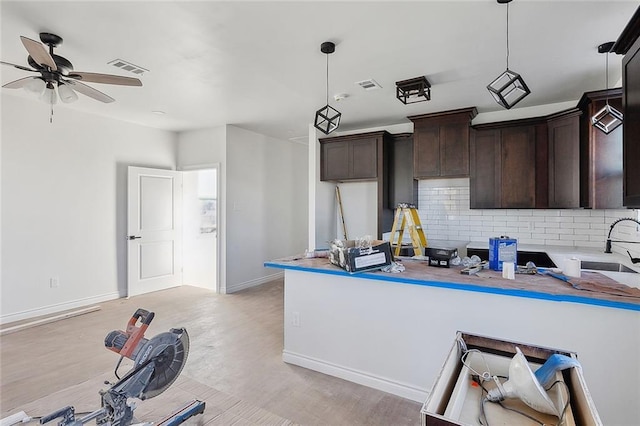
{"x": 555, "y": 243}
{"x": 588, "y": 219}
{"x": 547, "y": 213}
{"x": 577, "y": 225}
{"x": 574, "y": 212}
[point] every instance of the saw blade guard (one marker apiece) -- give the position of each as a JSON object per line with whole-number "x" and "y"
{"x": 169, "y": 351}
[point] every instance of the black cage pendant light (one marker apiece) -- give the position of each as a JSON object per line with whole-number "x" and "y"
{"x": 327, "y": 118}
{"x": 608, "y": 118}
{"x": 508, "y": 88}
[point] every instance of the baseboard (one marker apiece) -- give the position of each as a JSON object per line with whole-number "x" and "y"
{"x": 362, "y": 378}
{"x": 59, "y": 307}
{"x": 252, "y": 283}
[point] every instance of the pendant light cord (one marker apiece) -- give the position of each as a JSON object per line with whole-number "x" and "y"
{"x": 327, "y": 86}
{"x": 606, "y": 77}
{"x": 507, "y": 36}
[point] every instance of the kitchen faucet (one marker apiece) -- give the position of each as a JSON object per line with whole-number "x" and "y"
{"x": 607, "y": 248}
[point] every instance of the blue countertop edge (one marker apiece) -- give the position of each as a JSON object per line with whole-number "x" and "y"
{"x": 463, "y": 286}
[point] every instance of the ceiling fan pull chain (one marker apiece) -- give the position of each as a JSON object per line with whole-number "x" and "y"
{"x": 51, "y": 115}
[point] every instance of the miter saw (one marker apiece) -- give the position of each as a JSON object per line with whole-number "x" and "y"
{"x": 157, "y": 363}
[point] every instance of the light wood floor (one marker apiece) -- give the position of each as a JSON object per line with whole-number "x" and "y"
{"x": 236, "y": 349}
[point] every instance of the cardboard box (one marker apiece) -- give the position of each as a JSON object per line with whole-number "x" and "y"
{"x": 440, "y": 256}
{"x": 354, "y": 259}
{"x": 450, "y": 403}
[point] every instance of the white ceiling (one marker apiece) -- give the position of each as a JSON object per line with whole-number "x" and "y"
{"x": 258, "y": 65}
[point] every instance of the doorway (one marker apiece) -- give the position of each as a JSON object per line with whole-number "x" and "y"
{"x": 200, "y": 228}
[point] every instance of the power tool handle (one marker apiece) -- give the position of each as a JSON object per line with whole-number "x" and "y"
{"x": 145, "y": 316}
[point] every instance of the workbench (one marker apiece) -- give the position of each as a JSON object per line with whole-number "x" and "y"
{"x": 393, "y": 331}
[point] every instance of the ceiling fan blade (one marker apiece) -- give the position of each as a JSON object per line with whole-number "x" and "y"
{"x": 20, "y": 67}
{"x": 93, "y": 77}
{"x": 89, "y": 91}
{"x": 38, "y": 53}
{"x": 18, "y": 84}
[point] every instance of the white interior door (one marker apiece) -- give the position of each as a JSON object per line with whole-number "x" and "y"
{"x": 154, "y": 228}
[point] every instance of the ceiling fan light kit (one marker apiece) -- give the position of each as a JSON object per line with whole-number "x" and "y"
{"x": 509, "y": 87}
{"x": 57, "y": 75}
{"x": 413, "y": 90}
{"x": 35, "y": 86}
{"x": 48, "y": 96}
{"x": 66, "y": 93}
{"x": 327, "y": 118}
{"x": 608, "y": 118}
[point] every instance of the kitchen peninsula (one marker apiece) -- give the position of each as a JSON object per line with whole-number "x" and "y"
{"x": 393, "y": 331}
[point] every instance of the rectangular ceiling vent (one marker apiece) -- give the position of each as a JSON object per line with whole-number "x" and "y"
{"x": 128, "y": 66}
{"x": 369, "y": 84}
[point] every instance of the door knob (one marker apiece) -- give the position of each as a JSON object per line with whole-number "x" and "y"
{"x": 133, "y": 237}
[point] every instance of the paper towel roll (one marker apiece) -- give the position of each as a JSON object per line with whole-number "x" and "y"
{"x": 508, "y": 270}
{"x": 572, "y": 267}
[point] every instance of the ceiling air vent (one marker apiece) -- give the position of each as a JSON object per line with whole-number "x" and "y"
{"x": 369, "y": 84}
{"x": 128, "y": 66}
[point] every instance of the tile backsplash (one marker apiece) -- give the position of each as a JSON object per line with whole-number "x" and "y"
{"x": 443, "y": 206}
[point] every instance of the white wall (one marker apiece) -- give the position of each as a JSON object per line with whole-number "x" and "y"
{"x": 64, "y": 204}
{"x": 262, "y": 200}
{"x": 360, "y": 208}
{"x": 266, "y": 205}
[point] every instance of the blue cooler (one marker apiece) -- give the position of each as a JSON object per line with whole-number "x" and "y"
{"x": 502, "y": 249}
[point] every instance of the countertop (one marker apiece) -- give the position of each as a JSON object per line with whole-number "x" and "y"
{"x": 593, "y": 288}
{"x": 559, "y": 254}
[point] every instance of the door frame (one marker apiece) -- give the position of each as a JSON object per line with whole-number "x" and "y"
{"x": 219, "y": 203}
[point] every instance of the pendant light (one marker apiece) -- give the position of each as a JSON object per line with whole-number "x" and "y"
{"x": 608, "y": 118}
{"x": 327, "y": 118}
{"x": 508, "y": 88}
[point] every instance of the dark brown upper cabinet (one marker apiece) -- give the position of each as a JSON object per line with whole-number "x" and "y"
{"x": 628, "y": 44}
{"x": 441, "y": 143}
{"x": 503, "y": 166}
{"x": 403, "y": 188}
{"x": 601, "y": 156}
{"x": 564, "y": 159}
{"x": 353, "y": 157}
{"x": 526, "y": 164}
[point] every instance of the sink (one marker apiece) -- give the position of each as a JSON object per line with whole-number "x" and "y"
{"x": 538, "y": 257}
{"x": 606, "y": 266}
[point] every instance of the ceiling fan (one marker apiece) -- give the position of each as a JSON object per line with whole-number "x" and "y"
{"x": 57, "y": 72}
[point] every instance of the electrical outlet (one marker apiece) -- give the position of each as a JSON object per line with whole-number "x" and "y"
{"x": 295, "y": 319}
{"x": 54, "y": 282}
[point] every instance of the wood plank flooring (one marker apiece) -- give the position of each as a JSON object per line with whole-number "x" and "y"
{"x": 236, "y": 350}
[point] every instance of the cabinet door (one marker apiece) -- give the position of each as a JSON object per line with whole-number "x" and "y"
{"x": 517, "y": 167}
{"x": 335, "y": 161}
{"x": 426, "y": 151}
{"x": 564, "y": 162}
{"x": 631, "y": 124}
{"x": 363, "y": 157}
{"x": 403, "y": 188}
{"x": 454, "y": 150}
{"x": 606, "y": 163}
{"x": 484, "y": 179}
